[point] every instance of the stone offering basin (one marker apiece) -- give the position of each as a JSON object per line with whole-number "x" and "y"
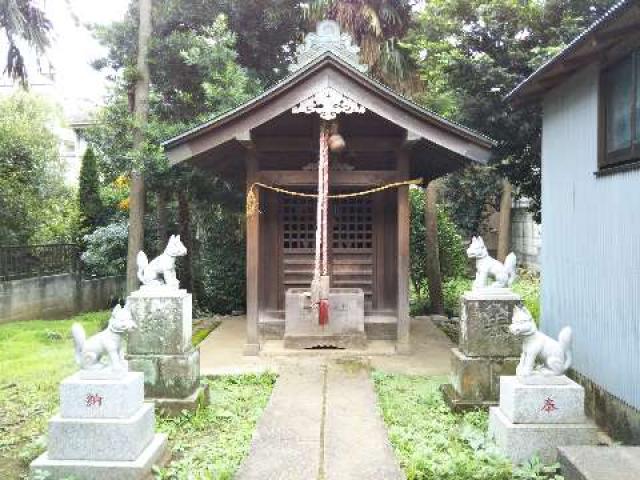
{"x": 346, "y": 320}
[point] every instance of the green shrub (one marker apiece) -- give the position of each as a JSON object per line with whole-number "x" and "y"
{"x": 106, "y": 250}
{"x": 220, "y": 265}
{"x": 528, "y": 287}
{"x": 90, "y": 203}
{"x": 452, "y": 291}
{"x": 453, "y": 260}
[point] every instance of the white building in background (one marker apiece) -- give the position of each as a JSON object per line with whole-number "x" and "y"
{"x": 76, "y": 116}
{"x": 64, "y": 75}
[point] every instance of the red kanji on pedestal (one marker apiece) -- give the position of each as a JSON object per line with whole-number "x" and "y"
{"x": 549, "y": 405}
{"x": 93, "y": 399}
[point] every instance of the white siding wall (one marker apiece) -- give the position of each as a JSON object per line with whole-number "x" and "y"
{"x": 591, "y": 235}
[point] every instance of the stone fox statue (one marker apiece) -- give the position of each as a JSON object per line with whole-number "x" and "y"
{"x": 504, "y": 275}
{"x": 161, "y": 270}
{"x": 90, "y": 351}
{"x": 554, "y": 354}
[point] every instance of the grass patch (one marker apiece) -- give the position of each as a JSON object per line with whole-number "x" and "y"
{"x": 432, "y": 443}
{"x": 212, "y": 442}
{"x": 34, "y": 357}
{"x": 202, "y": 331}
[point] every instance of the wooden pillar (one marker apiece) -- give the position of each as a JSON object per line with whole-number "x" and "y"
{"x": 252, "y": 346}
{"x": 403, "y": 345}
{"x": 504, "y": 232}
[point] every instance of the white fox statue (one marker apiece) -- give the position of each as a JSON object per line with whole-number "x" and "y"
{"x": 108, "y": 343}
{"x": 555, "y": 354}
{"x": 504, "y": 274}
{"x": 162, "y": 269}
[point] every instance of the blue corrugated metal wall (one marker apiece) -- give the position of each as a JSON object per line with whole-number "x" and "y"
{"x": 591, "y": 243}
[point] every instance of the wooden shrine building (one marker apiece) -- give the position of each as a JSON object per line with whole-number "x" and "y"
{"x": 273, "y": 140}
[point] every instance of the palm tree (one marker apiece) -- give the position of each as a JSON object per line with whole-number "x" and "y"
{"x": 23, "y": 21}
{"x": 377, "y": 26}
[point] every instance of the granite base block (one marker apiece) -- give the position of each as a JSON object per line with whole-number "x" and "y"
{"x": 519, "y": 442}
{"x": 155, "y": 453}
{"x": 101, "y": 439}
{"x": 82, "y": 398}
{"x": 175, "y": 406}
{"x": 164, "y": 319}
{"x": 477, "y": 379}
{"x": 484, "y": 324}
{"x": 168, "y": 376}
{"x": 599, "y": 463}
{"x": 522, "y": 403}
{"x": 458, "y": 404}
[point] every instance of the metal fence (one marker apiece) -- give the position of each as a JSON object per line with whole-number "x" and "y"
{"x": 38, "y": 260}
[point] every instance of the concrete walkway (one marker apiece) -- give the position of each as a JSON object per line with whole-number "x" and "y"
{"x": 321, "y": 423}
{"x": 322, "y": 420}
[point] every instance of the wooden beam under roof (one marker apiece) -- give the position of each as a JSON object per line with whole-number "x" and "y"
{"x": 308, "y": 144}
{"x": 343, "y": 178}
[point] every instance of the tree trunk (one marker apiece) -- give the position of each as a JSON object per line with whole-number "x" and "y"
{"x": 434, "y": 277}
{"x": 140, "y": 113}
{"x": 504, "y": 232}
{"x": 162, "y": 217}
{"x": 184, "y": 220}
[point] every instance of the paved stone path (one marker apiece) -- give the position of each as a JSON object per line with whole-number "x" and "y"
{"x": 321, "y": 423}
{"x": 221, "y": 353}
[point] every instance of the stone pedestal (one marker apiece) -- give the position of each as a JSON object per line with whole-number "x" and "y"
{"x": 486, "y": 349}
{"x": 537, "y": 418}
{"x": 104, "y": 431}
{"x": 346, "y": 320}
{"x": 161, "y": 348}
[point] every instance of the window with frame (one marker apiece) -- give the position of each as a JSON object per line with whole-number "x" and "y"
{"x": 621, "y": 117}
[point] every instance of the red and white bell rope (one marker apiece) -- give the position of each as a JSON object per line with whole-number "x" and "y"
{"x": 320, "y": 283}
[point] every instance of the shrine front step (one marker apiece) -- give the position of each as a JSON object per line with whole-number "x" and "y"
{"x": 376, "y": 327}
{"x": 357, "y": 341}
{"x": 276, "y": 348}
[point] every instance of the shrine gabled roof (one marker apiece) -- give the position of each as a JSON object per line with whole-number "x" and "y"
{"x": 479, "y": 145}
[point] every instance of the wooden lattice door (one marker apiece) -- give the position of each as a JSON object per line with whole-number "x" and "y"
{"x": 351, "y": 224}
{"x": 352, "y": 246}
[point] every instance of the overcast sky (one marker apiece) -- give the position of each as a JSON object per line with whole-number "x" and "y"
{"x": 73, "y": 47}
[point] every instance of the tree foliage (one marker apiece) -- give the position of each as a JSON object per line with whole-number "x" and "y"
{"x": 23, "y": 22}
{"x": 195, "y": 75}
{"x": 470, "y": 195}
{"x": 470, "y": 53}
{"x": 268, "y": 31}
{"x": 378, "y": 27}
{"x": 33, "y": 195}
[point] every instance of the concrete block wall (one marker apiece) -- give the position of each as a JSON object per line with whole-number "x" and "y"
{"x": 56, "y": 296}
{"x": 526, "y": 235}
